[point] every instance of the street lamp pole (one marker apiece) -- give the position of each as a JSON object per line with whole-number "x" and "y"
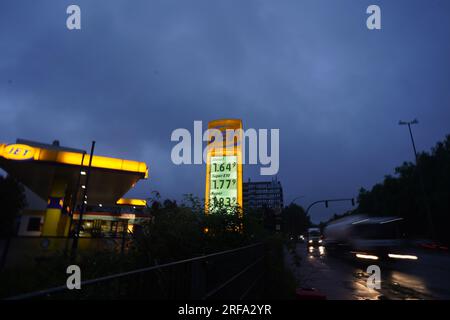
{"x": 419, "y": 172}
{"x": 409, "y": 123}
{"x": 76, "y": 235}
{"x": 295, "y": 199}
{"x": 73, "y": 202}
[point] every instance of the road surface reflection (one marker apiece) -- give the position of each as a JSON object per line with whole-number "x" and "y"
{"x": 339, "y": 277}
{"x": 316, "y": 251}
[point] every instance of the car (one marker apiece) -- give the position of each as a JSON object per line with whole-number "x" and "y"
{"x": 314, "y": 237}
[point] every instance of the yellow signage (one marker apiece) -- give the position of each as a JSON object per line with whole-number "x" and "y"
{"x": 132, "y": 202}
{"x": 18, "y": 152}
{"x": 224, "y": 166}
{"x": 25, "y": 152}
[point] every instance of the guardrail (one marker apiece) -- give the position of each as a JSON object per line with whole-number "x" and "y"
{"x": 236, "y": 273}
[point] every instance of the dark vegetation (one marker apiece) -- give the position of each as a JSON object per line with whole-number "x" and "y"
{"x": 402, "y": 195}
{"x": 174, "y": 232}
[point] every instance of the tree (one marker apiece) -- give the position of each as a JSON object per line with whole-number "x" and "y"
{"x": 295, "y": 220}
{"x": 402, "y": 195}
{"x": 12, "y": 201}
{"x": 170, "y": 204}
{"x": 185, "y": 231}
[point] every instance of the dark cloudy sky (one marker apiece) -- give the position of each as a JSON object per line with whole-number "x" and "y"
{"x": 140, "y": 69}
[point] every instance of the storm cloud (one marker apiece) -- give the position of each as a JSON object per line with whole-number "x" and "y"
{"x": 137, "y": 70}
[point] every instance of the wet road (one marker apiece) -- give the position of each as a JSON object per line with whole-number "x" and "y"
{"x": 346, "y": 279}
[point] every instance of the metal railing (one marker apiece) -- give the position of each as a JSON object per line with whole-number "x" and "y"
{"x": 236, "y": 273}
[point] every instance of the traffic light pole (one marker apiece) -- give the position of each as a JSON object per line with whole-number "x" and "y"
{"x": 327, "y": 201}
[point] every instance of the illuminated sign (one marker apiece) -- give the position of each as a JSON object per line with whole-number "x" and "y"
{"x": 223, "y": 181}
{"x": 224, "y": 167}
{"x": 18, "y": 152}
{"x": 25, "y": 152}
{"x": 132, "y": 202}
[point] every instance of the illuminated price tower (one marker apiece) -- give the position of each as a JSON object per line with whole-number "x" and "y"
{"x": 224, "y": 166}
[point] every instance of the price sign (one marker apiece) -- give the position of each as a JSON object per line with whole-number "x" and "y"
{"x": 223, "y": 188}
{"x": 223, "y": 181}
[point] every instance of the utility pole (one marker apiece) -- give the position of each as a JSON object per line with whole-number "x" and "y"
{"x": 73, "y": 202}
{"x": 83, "y": 207}
{"x": 419, "y": 173}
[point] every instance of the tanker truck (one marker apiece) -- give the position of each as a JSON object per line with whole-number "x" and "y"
{"x": 367, "y": 237}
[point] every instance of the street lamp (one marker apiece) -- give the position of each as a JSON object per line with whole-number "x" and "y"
{"x": 425, "y": 198}
{"x": 295, "y": 199}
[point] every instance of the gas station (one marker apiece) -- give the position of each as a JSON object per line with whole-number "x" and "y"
{"x": 57, "y": 175}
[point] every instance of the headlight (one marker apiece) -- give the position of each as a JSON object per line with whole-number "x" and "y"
{"x": 320, "y": 241}
{"x": 310, "y": 241}
{"x": 366, "y": 256}
{"x": 402, "y": 256}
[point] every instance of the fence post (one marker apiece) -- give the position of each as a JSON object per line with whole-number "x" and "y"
{"x": 198, "y": 279}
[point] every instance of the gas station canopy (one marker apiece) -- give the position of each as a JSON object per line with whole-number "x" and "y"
{"x": 38, "y": 165}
